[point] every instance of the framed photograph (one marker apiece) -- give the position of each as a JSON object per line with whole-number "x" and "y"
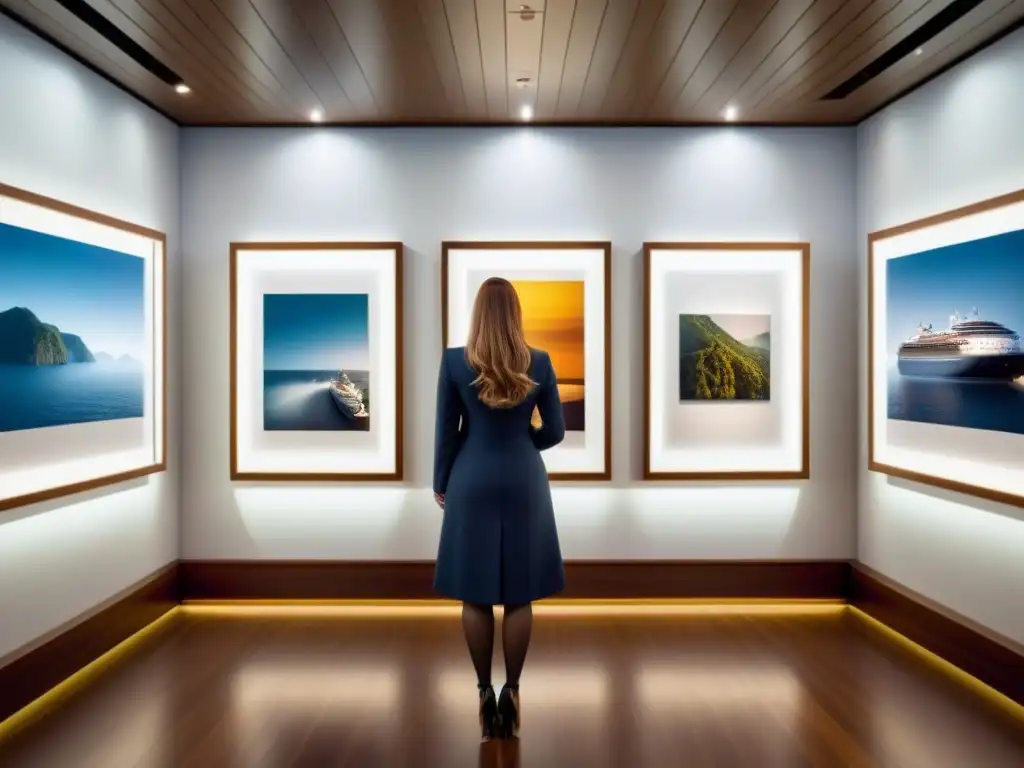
{"x": 726, "y": 348}
{"x": 316, "y": 361}
{"x": 565, "y": 291}
{"x": 83, "y": 362}
{"x": 945, "y": 359}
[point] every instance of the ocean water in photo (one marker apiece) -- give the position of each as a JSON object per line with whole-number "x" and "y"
{"x": 33, "y": 396}
{"x": 301, "y": 401}
{"x": 972, "y": 404}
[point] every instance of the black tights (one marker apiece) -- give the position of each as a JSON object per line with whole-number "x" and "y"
{"x": 478, "y": 625}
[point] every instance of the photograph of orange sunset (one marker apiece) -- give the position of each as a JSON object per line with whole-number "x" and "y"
{"x": 553, "y": 319}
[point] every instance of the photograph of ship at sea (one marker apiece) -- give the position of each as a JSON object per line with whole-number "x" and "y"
{"x": 316, "y": 362}
{"x": 725, "y": 357}
{"x": 954, "y": 317}
{"x": 72, "y": 332}
{"x": 553, "y": 318}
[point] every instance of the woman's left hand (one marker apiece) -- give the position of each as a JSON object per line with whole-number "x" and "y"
{"x": 439, "y": 498}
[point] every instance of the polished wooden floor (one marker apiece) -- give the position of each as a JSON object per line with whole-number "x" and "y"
{"x": 743, "y": 691}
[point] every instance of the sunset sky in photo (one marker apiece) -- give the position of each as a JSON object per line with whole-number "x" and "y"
{"x": 553, "y": 318}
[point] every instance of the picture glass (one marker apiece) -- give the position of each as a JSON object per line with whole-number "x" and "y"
{"x": 953, "y": 317}
{"x": 72, "y": 332}
{"x": 726, "y": 365}
{"x": 81, "y": 350}
{"x": 316, "y": 362}
{"x": 562, "y": 292}
{"x": 316, "y": 365}
{"x": 724, "y": 357}
{"x": 553, "y": 318}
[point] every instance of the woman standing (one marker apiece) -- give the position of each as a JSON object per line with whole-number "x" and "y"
{"x": 499, "y": 544}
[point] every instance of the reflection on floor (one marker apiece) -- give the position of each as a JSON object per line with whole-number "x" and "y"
{"x": 253, "y": 689}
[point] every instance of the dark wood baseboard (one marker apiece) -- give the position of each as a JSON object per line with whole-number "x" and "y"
{"x": 609, "y": 580}
{"x": 30, "y": 675}
{"x": 996, "y": 663}
{"x": 33, "y": 673}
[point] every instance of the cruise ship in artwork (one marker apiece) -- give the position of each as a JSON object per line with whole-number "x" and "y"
{"x": 969, "y": 348}
{"x": 348, "y": 397}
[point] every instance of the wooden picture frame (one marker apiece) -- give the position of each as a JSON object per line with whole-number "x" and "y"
{"x": 47, "y": 216}
{"x": 918, "y": 458}
{"x": 796, "y": 466}
{"x": 326, "y": 445}
{"x": 587, "y": 261}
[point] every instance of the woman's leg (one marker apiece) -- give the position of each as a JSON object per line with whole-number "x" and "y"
{"x": 515, "y": 640}
{"x": 478, "y": 626}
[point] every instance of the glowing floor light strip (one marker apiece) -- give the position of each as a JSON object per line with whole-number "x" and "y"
{"x": 960, "y": 676}
{"x": 581, "y": 608}
{"x": 68, "y": 687}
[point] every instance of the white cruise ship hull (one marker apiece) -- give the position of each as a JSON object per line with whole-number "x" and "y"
{"x": 1004, "y": 367}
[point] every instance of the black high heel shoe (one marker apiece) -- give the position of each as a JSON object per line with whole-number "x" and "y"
{"x": 508, "y": 712}
{"x": 489, "y": 720}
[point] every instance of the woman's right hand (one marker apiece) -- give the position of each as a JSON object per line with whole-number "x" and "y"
{"x": 439, "y": 499}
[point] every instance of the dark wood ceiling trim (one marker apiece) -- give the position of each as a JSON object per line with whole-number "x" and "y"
{"x": 545, "y": 124}
{"x": 26, "y": 24}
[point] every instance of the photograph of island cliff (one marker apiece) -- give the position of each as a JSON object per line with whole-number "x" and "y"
{"x": 724, "y": 357}
{"x": 72, "y": 332}
{"x": 553, "y": 321}
{"x": 316, "y": 362}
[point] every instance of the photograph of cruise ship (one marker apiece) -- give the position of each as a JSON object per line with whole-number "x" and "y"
{"x": 969, "y": 348}
{"x": 960, "y": 369}
{"x": 316, "y": 361}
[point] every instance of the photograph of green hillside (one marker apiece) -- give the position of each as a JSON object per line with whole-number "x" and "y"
{"x": 724, "y": 357}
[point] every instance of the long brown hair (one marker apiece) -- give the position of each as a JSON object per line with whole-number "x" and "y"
{"x": 497, "y": 348}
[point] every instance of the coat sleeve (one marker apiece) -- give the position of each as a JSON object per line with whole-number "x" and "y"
{"x": 447, "y": 432}
{"x": 552, "y": 429}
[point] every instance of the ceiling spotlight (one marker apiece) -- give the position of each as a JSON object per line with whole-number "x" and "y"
{"x": 730, "y": 113}
{"x": 919, "y": 51}
{"x": 316, "y": 116}
{"x": 526, "y": 112}
{"x": 183, "y": 89}
{"x": 526, "y": 13}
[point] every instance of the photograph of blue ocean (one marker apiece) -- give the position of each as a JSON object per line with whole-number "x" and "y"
{"x": 72, "y": 332}
{"x": 316, "y": 362}
{"x": 954, "y": 318}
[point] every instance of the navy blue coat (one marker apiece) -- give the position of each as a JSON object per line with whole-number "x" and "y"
{"x": 499, "y": 544}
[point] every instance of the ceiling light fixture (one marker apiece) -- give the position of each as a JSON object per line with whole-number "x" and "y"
{"x": 730, "y": 113}
{"x": 526, "y": 13}
{"x": 526, "y": 112}
{"x": 183, "y": 89}
{"x": 316, "y": 116}
{"x": 919, "y": 51}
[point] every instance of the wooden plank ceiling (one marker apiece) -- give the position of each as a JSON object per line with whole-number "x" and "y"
{"x": 498, "y": 61}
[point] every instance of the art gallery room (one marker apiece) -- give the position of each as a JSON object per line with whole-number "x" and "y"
{"x": 475, "y": 383}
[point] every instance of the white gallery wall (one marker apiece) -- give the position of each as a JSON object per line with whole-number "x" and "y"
{"x": 69, "y": 134}
{"x": 422, "y": 186}
{"x": 956, "y": 141}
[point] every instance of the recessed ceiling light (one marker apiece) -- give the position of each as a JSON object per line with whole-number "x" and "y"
{"x": 526, "y": 112}
{"x": 730, "y": 113}
{"x": 919, "y": 51}
{"x": 182, "y": 89}
{"x": 316, "y": 116}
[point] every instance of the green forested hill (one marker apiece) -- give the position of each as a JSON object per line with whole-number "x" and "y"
{"x": 715, "y": 366}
